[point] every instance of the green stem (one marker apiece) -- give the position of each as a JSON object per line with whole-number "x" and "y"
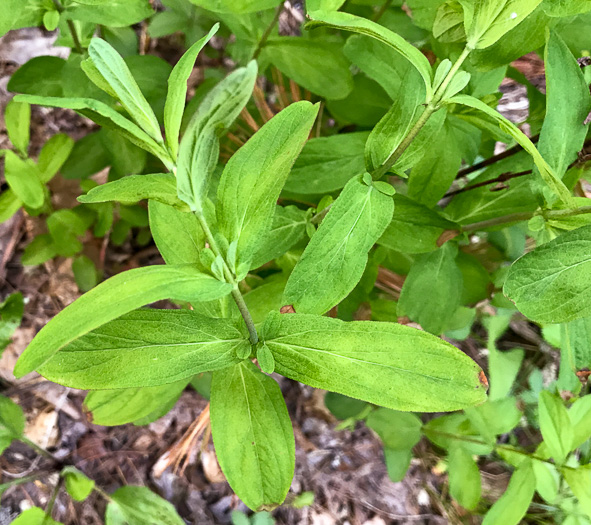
{"x": 267, "y": 32}
{"x": 40, "y": 450}
{"x": 49, "y": 509}
{"x": 525, "y": 216}
{"x": 60, "y": 9}
{"x": 382, "y": 10}
{"x": 236, "y": 295}
{"x": 432, "y": 106}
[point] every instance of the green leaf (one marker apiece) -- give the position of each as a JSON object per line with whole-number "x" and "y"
{"x": 199, "y": 149}
{"x": 374, "y": 361}
{"x": 130, "y": 405}
{"x": 65, "y": 227}
{"x": 397, "y": 463}
{"x": 349, "y": 22}
{"x": 231, "y": 6}
{"x": 146, "y": 348}
{"x": 494, "y": 418}
{"x": 9, "y": 205}
{"x": 334, "y": 260}
{"x": 397, "y": 430}
{"x": 414, "y": 227}
{"x": 160, "y": 187}
{"x": 11, "y": 314}
{"x": 252, "y": 435}
{"x": 547, "y": 481}
{"x": 486, "y": 21}
{"x": 114, "y": 297}
{"x": 116, "y": 74}
{"x": 326, "y": 164}
{"x": 325, "y": 5}
{"x": 26, "y": 78}
{"x": 288, "y": 228}
{"x": 555, "y": 425}
{"x": 177, "y": 91}
{"x": 549, "y": 284}
{"x": 580, "y": 417}
{"x": 546, "y": 172}
{"x": 563, "y": 8}
{"x": 568, "y": 102}
{"x": 511, "y": 507}
{"x": 85, "y": 273}
{"x": 579, "y": 480}
{"x": 253, "y": 178}
{"x": 266, "y": 297}
{"x": 17, "y": 119}
{"x": 316, "y": 65}
{"x": 432, "y": 290}
{"x": 114, "y": 13}
{"x": 24, "y": 179}
{"x": 78, "y": 485}
{"x": 39, "y": 250}
{"x": 134, "y": 505}
{"x": 103, "y": 115}
{"x": 53, "y": 155}
{"x": 34, "y": 516}
{"x": 464, "y": 477}
{"x": 12, "y": 419}
{"x": 343, "y": 407}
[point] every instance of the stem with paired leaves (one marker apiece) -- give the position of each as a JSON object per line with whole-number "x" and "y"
{"x": 525, "y": 216}
{"x": 237, "y": 296}
{"x": 432, "y": 106}
{"x": 60, "y": 9}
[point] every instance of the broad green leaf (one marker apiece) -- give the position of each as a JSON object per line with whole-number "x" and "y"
{"x": 232, "y": 6}
{"x": 355, "y": 24}
{"x": 344, "y": 407}
{"x": 24, "y": 179}
{"x": 568, "y": 103}
{"x": 432, "y": 290}
{"x": 555, "y": 425}
{"x": 325, "y": 5}
{"x": 177, "y": 92}
{"x": 387, "y": 364}
{"x": 26, "y": 78}
{"x": 253, "y": 178}
{"x": 574, "y": 343}
{"x": 288, "y": 227}
{"x": 494, "y": 418}
{"x": 160, "y": 187}
{"x": 65, "y": 227}
{"x": 326, "y": 164}
{"x": 39, "y": 250}
{"x": 266, "y": 297}
{"x": 563, "y": 8}
{"x": 134, "y": 505}
{"x": 114, "y": 13}
{"x": 443, "y": 429}
{"x": 146, "y": 348}
{"x": 12, "y": 419}
{"x": 546, "y": 172}
{"x": 397, "y": 430}
{"x": 334, "y": 260}
{"x": 579, "y": 480}
{"x": 11, "y": 314}
{"x": 17, "y": 119}
{"x": 53, "y": 155}
{"x": 114, "y": 297}
{"x": 85, "y": 273}
{"x": 89, "y": 156}
{"x": 78, "y": 485}
{"x": 178, "y": 235}
{"x": 397, "y": 463}
{"x": 316, "y": 65}
{"x": 547, "y": 481}
{"x": 464, "y": 477}
{"x": 199, "y": 149}
{"x": 34, "y": 516}
{"x": 511, "y": 507}
{"x": 131, "y": 405}
{"x": 116, "y": 74}
{"x": 252, "y": 435}
{"x": 549, "y": 284}
{"x": 486, "y": 21}
{"x": 105, "y": 116}
{"x": 580, "y": 417}
{"x": 9, "y": 205}
{"x": 414, "y": 227}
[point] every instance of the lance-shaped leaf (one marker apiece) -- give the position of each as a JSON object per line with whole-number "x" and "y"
{"x": 177, "y": 91}
{"x": 556, "y": 426}
{"x": 334, "y": 260}
{"x": 146, "y": 348}
{"x": 465, "y": 485}
{"x": 160, "y": 187}
{"x": 486, "y": 21}
{"x": 252, "y": 435}
{"x": 568, "y": 103}
{"x": 139, "y": 405}
{"x": 253, "y": 178}
{"x": 54, "y": 154}
{"x": 387, "y": 364}
{"x": 114, "y": 297}
{"x": 139, "y": 505}
{"x": 116, "y": 74}
{"x": 105, "y": 116}
{"x": 579, "y": 481}
{"x": 551, "y": 283}
{"x": 200, "y": 147}
{"x": 546, "y": 172}
{"x": 356, "y": 24}
{"x": 24, "y": 179}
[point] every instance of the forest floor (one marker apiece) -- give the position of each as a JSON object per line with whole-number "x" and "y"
{"x": 343, "y": 468}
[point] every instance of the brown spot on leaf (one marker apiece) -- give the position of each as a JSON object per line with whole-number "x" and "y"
{"x": 447, "y": 235}
{"x": 583, "y": 375}
{"x": 483, "y": 380}
{"x": 287, "y": 309}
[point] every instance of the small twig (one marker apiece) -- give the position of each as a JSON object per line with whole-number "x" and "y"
{"x": 267, "y": 32}
{"x": 54, "y": 494}
{"x": 503, "y": 177}
{"x": 382, "y": 10}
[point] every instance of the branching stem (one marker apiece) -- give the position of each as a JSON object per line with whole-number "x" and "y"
{"x": 60, "y": 9}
